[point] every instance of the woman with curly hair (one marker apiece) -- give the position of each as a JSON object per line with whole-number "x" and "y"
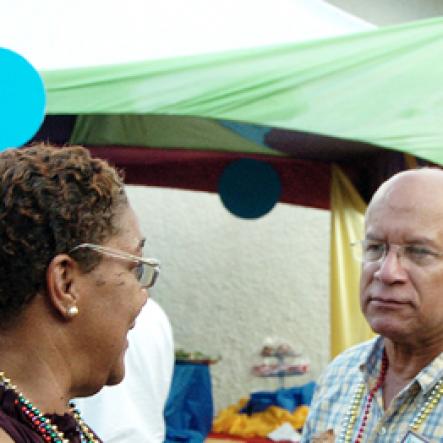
{"x": 72, "y": 282}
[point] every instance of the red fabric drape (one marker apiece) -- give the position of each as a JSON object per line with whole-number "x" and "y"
{"x": 304, "y": 183}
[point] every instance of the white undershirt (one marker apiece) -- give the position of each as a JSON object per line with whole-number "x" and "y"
{"x": 132, "y": 412}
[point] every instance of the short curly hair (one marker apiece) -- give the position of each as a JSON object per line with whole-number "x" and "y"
{"x": 51, "y": 199}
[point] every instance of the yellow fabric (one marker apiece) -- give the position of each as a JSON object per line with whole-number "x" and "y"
{"x": 348, "y": 325}
{"x": 231, "y": 421}
{"x": 411, "y": 161}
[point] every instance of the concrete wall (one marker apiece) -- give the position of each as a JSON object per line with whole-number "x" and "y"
{"x": 228, "y": 283}
{"x": 389, "y": 12}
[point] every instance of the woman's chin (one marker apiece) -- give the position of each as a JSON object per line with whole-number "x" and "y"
{"x": 116, "y": 376}
{"x": 117, "y": 372}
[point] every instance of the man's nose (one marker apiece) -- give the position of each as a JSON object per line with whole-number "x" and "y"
{"x": 390, "y": 269}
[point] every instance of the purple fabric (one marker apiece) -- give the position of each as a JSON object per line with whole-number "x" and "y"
{"x": 15, "y": 423}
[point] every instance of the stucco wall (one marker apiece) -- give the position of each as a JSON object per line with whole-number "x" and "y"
{"x": 228, "y": 283}
{"x": 390, "y": 12}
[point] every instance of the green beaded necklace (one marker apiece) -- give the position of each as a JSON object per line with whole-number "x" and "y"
{"x": 43, "y": 425}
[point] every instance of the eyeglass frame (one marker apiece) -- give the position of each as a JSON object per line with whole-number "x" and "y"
{"x": 153, "y": 263}
{"x": 401, "y": 251}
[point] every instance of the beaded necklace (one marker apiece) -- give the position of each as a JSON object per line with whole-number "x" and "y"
{"x": 43, "y": 425}
{"x": 351, "y": 417}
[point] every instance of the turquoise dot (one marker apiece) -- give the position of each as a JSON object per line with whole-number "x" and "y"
{"x": 249, "y": 188}
{"x": 22, "y": 100}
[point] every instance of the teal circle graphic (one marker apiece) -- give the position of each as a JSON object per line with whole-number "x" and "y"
{"x": 22, "y": 100}
{"x": 249, "y": 188}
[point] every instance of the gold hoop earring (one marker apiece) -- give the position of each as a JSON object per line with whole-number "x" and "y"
{"x": 72, "y": 311}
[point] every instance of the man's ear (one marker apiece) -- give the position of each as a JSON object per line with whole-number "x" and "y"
{"x": 60, "y": 285}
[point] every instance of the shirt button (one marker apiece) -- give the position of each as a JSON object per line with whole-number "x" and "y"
{"x": 383, "y": 431}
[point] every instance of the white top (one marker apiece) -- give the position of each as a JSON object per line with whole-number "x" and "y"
{"x": 132, "y": 412}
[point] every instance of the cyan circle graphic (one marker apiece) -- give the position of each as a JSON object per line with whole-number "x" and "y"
{"x": 22, "y": 100}
{"x": 249, "y": 188}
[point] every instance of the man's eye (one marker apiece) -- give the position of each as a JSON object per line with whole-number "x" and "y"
{"x": 374, "y": 248}
{"x": 418, "y": 252}
{"x": 373, "y": 251}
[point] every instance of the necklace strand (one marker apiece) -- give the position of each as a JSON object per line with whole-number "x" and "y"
{"x": 427, "y": 408}
{"x": 351, "y": 417}
{"x": 43, "y": 425}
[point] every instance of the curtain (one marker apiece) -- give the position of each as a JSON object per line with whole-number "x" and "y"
{"x": 348, "y": 325}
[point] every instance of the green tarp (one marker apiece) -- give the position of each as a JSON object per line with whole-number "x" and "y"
{"x": 381, "y": 87}
{"x": 162, "y": 132}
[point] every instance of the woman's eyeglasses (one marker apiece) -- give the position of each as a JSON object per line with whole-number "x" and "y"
{"x": 146, "y": 271}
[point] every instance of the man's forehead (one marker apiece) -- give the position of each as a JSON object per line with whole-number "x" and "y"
{"x": 407, "y": 207}
{"x": 410, "y": 189}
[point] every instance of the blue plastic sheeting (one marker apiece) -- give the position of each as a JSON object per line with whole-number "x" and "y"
{"x": 189, "y": 409}
{"x": 174, "y": 436}
{"x": 286, "y": 398}
{"x": 254, "y": 133}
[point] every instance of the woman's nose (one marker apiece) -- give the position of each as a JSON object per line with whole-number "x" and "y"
{"x": 145, "y": 294}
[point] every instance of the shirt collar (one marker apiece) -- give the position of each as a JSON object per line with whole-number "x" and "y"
{"x": 430, "y": 374}
{"x": 371, "y": 360}
{"x": 426, "y": 378}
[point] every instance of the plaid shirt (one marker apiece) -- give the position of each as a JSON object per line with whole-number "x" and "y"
{"x": 361, "y": 363}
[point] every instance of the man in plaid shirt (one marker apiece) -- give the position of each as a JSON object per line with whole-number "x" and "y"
{"x": 389, "y": 389}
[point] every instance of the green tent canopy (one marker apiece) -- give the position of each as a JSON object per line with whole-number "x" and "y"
{"x": 339, "y": 99}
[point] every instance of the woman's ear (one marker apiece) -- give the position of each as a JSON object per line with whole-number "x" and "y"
{"x": 60, "y": 285}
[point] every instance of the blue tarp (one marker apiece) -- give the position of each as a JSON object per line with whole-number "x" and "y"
{"x": 286, "y": 398}
{"x": 189, "y": 409}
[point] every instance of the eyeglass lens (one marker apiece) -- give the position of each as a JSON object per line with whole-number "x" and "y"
{"x": 146, "y": 274}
